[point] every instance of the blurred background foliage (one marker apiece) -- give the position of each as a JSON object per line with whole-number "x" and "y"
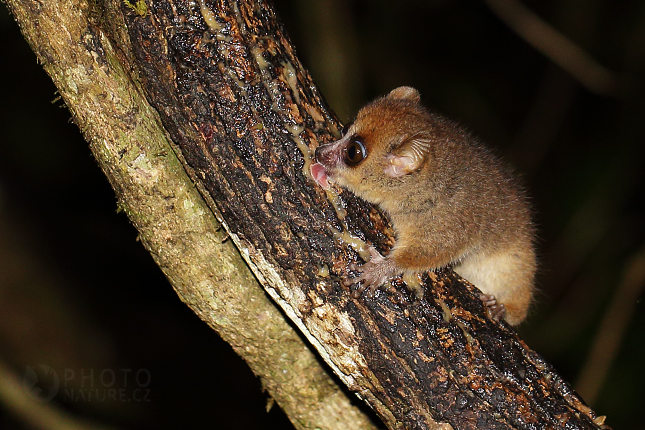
{"x": 79, "y": 294}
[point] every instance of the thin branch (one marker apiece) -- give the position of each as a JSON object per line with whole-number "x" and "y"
{"x": 558, "y": 48}
{"x": 34, "y": 412}
{"x": 612, "y": 329}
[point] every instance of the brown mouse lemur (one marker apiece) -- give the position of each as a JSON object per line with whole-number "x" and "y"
{"x": 450, "y": 201}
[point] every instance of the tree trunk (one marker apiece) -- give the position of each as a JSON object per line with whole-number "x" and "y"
{"x": 221, "y": 79}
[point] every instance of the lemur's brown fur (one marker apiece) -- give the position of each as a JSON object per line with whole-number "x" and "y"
{"x": 451, "y": 202}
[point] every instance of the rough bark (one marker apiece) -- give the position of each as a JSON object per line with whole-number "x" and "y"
{"x": 244, "y": 118}
{"x": 175, "y": 225}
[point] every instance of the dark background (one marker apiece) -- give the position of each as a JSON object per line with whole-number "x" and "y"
{"x": 79, "y": 295}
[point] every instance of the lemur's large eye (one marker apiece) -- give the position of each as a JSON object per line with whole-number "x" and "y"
{"x": 355, "y": 151}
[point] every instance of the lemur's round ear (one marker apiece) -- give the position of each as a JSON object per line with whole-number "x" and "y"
{"x": 405, "y": 93}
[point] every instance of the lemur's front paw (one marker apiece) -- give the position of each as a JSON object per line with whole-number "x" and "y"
{"x": 372, "y": 274}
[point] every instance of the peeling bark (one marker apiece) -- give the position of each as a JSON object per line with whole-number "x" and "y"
{"x": 244, "y": 117}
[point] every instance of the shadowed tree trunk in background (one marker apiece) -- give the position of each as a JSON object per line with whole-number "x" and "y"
{"x": 221, "y": 80}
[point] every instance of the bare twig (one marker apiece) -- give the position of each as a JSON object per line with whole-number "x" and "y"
{"x": 34, "y": 413}
{"x": 612, "y": 329}
{"x": 558, "y": 48}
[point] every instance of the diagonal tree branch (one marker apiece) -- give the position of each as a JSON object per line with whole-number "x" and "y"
{"x": 562, "y": 51}
{"x": 174, "y": 223}
{"x": 244, "y": 117}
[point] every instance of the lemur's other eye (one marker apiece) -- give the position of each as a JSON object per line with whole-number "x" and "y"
{"x": 346, "y": 128}
{"x": 355, "y": 151}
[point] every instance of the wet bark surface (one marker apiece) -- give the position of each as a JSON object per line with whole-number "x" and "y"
{"x": 245, "y": 117}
